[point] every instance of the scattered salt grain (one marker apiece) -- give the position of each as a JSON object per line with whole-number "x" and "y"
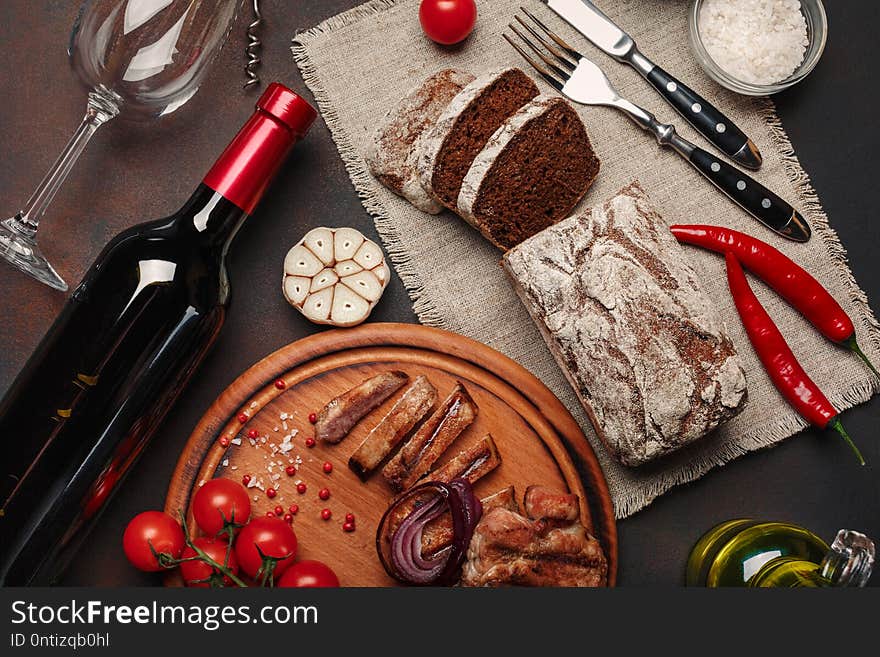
{"x": 755, "y": 41}
{"x": 236, "y": 441}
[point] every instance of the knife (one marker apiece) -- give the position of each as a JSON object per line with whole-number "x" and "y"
{"x": 587, "y": 19}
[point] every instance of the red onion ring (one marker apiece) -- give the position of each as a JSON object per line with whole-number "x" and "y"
{"x": 400, "y": 548}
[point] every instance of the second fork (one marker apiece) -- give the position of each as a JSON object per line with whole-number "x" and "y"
{"x": 580, "y": 80}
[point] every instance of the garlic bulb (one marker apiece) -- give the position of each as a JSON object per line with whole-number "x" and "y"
{"x": 335, "y": 276}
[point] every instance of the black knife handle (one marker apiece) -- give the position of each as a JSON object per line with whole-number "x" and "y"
{"x": 760, "y": 202}
{"x": 706, "y": 118}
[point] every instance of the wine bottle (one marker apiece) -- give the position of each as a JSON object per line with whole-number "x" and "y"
{"x": 123, "y": 348}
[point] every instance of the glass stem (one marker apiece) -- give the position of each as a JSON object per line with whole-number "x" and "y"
{"x": 100, "y": 109}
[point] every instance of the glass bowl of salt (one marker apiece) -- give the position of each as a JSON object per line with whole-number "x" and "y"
{"x": 757, "y": 47}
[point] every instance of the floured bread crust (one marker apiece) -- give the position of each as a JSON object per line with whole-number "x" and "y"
{"x": 624, "y": 315}
{"x": 392, "y": 157}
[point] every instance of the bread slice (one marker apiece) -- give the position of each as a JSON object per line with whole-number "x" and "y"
{"x": 531, "y": 173}
{"x": 392, "y": 156}
{"x": 448, "y": 149}
{"x": 625, "y": 316}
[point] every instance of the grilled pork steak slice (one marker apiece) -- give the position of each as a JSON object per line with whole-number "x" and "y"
{"x": 419, "y": 453}
{"x": 415, "y": 403}
{"x": 473, "y": 463}
{"x": 548, "y": 548}
{"x": 340, "y": 415}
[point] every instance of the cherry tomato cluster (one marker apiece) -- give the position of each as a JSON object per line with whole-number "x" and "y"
{"x": 262, "y": 548}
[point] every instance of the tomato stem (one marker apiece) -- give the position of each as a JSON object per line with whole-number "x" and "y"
{"x": 857, "y": 350}
{"x": 838, "y": 427}
{"x": 207, "y": 559}
{"x": 267, "y": 569}
{"x": 162, "y": 558}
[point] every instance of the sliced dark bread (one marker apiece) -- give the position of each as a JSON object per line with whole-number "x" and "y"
{"x": 448, "y": 149}
{"x": 392, "y": 156}
{"x": 531, "y": 173}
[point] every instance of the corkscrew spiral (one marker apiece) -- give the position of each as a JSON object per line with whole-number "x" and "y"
{"x": 252, "y": 51}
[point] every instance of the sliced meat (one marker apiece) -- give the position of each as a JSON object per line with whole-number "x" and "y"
{"x": 473, "y": 463}
{"x": 419, "y": 453}
{"x": 504, "y": 498}
{"x": 415, "y": 403}
{"x": 552, "y": 549}
{"x": 340, "y": 415}
{"x": 438, "y": 533}
{"x": 542, "y": 503}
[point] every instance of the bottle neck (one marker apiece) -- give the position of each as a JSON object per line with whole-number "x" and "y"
{"x": 243, "y": 172}
{"x": 850, "y": 560}
{"x": 212, "y": 217}
{"x": 235, "y": 184}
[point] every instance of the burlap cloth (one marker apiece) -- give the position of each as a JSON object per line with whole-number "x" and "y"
{"x": 360, "y": 63}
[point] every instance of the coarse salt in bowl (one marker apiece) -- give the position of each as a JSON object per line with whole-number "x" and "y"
{"x": 757, "y": 47}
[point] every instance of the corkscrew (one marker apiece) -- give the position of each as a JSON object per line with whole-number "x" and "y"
{"x": 252, "y": 51}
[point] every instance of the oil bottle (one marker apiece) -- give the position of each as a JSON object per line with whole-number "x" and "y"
{"x": 752, "y": 553}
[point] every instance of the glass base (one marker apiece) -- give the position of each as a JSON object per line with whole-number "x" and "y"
{"x": 18, "y": 246}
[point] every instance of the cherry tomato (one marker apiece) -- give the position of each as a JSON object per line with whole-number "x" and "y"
{"x": 275, "y": 539}
{"x": 448, "y": 21}
{"x": 151, "y": 528}
{"x": 219, "y": 499}
{"x": 309, "y": 574}
{"x": 193, "y": 572}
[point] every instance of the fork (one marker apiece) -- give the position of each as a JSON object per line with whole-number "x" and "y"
{"x": 580, "y": 80}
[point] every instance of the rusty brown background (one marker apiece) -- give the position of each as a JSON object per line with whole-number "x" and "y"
{"x": 131, "y": 173}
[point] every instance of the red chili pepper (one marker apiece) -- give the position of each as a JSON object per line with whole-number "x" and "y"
{"x": 791, "y": 281}
{"x": 783, "y": 368}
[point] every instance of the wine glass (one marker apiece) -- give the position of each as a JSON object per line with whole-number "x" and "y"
{"x": 141, "y": 58}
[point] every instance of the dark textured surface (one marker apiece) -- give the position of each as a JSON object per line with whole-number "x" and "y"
{"x": 132, "y": 173}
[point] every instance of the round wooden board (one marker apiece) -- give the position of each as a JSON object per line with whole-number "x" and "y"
{"x": 538, "y": 439}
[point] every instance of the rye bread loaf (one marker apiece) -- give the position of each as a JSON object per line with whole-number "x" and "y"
{"x": 393, "y": 156}
{"x": 531, "y": 173}
{"x": 624, "y": 315}
{"x": 447, "y": 150}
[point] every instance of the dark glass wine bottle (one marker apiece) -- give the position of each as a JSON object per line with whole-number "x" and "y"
{"x": 123, "y": 348}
